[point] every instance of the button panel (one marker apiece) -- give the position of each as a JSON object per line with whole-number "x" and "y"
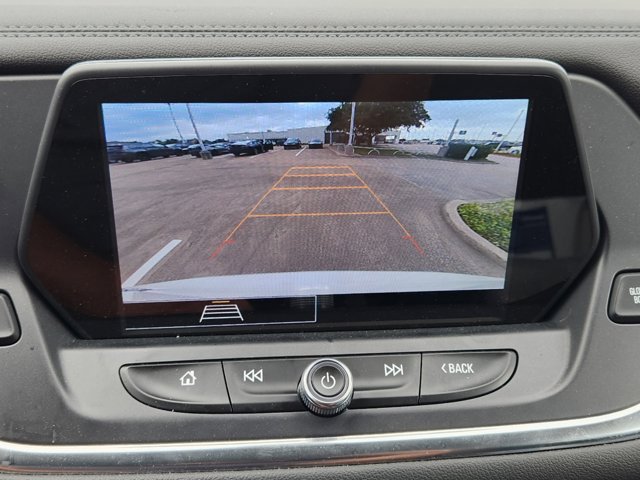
{"x": 271, "y": 385}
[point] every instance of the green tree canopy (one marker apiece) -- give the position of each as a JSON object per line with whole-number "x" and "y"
{"x": 373, "y": 118}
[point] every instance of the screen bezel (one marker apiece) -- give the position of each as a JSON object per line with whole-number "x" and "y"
{"x": 69, "y": 244}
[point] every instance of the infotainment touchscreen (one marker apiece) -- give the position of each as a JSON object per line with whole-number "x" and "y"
{"x": 220, "y": 201}
{"x": 247, "y": 196}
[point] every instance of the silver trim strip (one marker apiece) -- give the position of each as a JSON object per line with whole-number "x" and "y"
{"x": 352, "y": 449}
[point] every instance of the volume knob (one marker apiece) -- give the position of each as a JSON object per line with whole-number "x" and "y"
{"x": 326, "y": 387}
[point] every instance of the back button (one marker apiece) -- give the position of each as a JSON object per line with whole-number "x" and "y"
{"x": 451, "y": 376}
{"x": 265, "y": 385}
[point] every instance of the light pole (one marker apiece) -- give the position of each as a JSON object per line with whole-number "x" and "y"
{"x": 205, "y": 154}
{"x": 173, "y": 117}
{"x": 504, "y": 138}
{"x": 352, "y": 124}
{"x": 453, "y": 130}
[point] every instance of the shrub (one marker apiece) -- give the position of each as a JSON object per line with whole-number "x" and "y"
{"x": 490, "y": 220}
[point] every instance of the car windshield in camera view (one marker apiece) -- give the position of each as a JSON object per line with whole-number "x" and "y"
{"x": 266, "y": 200}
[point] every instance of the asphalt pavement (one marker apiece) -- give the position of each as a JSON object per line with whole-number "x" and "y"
{"x": 299, "y": 210}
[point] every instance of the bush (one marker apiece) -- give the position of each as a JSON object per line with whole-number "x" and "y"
{"x": 490, "y": 220}
{"x": 460, "y": 150}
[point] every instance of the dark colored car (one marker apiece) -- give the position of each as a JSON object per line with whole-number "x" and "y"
{"x": 269, "y": 144}
{"x": 247, "y": 147}
{"x": 218, "y": 148}
{"x": 214, "y": 149}
{"x": 292, "y": 144}
{"x": 138, "y": 152}
{"x": 315, "y": 143}
{"x": 114, "y": 153}
{"x": 178, "y": 148}
{"x": 503, "y": 145}
{"x": 193, "y": 150}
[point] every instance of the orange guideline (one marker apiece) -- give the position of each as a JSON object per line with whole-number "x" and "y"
{"x": 351, "y": 173}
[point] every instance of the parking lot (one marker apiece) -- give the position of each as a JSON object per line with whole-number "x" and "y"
{"x": 299, "y": 210}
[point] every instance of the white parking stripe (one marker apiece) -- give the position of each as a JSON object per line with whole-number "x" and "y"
{"x": 149, "y": 264}
{"x": 303, "y": 149}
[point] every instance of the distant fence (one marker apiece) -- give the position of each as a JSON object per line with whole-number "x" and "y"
{"x": 342, "y": 149}
{"x": 411, "y": 149}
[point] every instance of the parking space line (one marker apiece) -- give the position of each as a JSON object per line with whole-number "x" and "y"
{"x": 285, "y": 174}
{"x": 149, "y": 264}
{"x": 407, "y": 235}
{"x": 301, "y": 151}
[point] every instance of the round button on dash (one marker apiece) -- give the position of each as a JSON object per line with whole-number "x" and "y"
{"x": 328, "y": 380}
{"x": 326, "y": 387}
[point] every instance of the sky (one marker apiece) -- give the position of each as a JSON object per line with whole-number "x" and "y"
{"x": 152, "y": 121}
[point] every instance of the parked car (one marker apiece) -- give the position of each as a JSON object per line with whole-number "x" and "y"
{"x": 292, "y": 144}
{"x": 315, "y": 143}
{"x": 269, "y": 144}
{"x": 247, "y": 147}
{"x": 219, "y": 148}
{"x": 114, "y": 153}
{"x": 193, "y": 150}
{"x": 504, "y": 146}
{"x": 178, "y": 148}
{"x": 214, "y": 149}
{"x": 129, "y": 153}
{"x": 517, "y": 150}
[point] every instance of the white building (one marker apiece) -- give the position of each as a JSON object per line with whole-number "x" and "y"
{"x": 304, "y": 134}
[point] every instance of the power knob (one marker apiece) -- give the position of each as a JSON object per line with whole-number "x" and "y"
{"x": 326, "y": 387}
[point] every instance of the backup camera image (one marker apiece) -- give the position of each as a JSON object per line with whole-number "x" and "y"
{"x": 266, "y": 200}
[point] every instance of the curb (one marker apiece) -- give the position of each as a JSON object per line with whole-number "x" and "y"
{"x": 454, "y": 219}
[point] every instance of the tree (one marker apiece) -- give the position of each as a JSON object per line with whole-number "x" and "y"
{"x": 373, "y": 118}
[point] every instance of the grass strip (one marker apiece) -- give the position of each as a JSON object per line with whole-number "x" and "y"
{"x": 490, "y": 220}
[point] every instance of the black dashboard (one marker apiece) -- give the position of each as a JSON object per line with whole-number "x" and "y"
{"x": 216, "y": 267}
